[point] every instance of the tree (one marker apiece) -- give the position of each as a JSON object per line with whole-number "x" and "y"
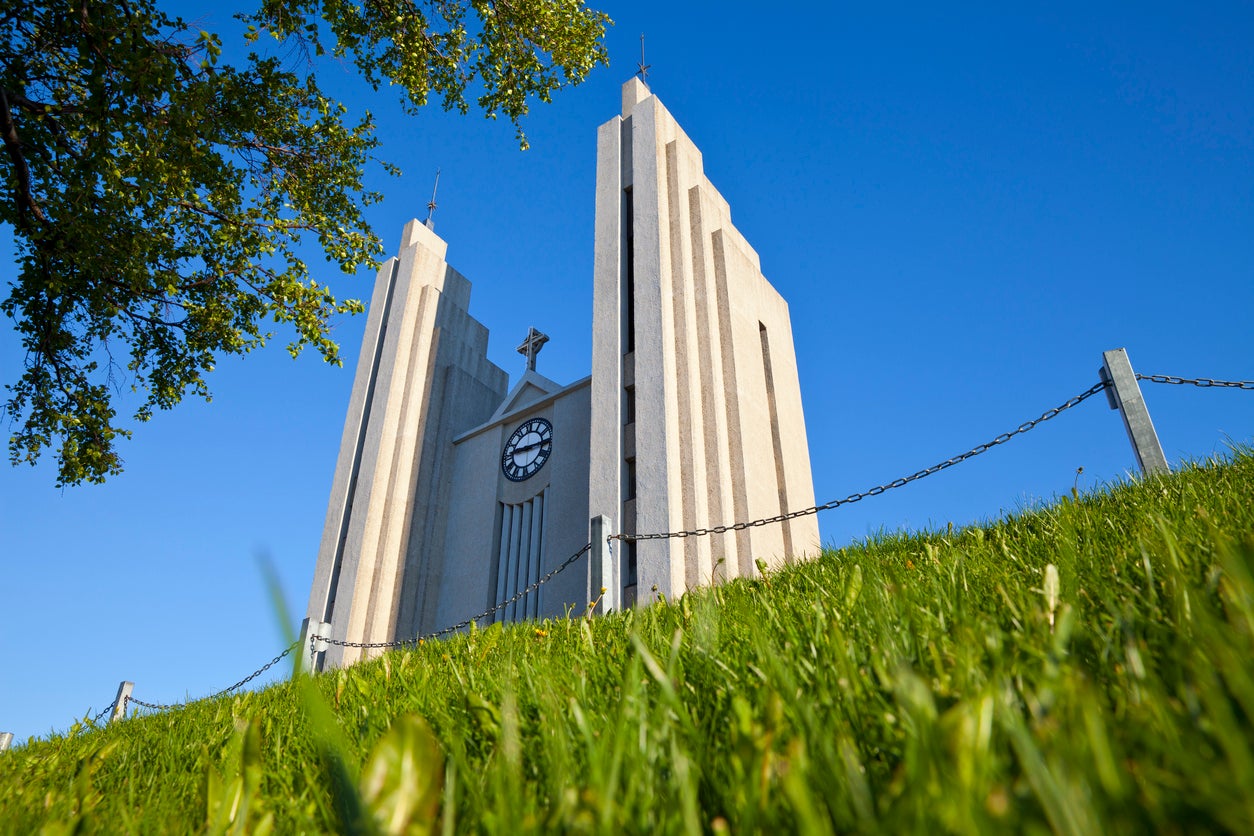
{"x": 158, "y": 195}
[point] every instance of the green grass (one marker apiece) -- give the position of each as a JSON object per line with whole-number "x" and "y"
{"x": 911, "y": 683}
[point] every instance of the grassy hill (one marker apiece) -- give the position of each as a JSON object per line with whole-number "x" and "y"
{"x": 1086, "y": 668}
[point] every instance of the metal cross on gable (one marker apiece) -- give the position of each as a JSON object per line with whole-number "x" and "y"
{"x": 531, "y": 347}
{"x": 643, "y": 70}
{"x": 430, "y": 222}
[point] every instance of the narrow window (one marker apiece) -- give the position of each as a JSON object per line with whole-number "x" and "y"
{"x": 629, "y": 285}
{"x": 776, "y": 442}
{"x": 629, "y": 575}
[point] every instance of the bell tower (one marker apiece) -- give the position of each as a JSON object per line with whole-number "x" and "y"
{"x": 696, "y": 405}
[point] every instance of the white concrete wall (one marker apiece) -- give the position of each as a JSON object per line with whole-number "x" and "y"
{"x": 707, "y": 451}
{"x": 606, "y": 421}
{"x": 422, "y": 375}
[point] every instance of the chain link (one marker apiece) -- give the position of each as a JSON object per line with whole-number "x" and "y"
{"x": 1204, "y": 382}
{"x": 313, "y": 639}
{"x": 267, "y": 666}
{"x": 878, "y": 489}
{"x": 96, "y": 720}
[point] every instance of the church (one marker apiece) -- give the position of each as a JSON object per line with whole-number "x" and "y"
{"x": 454, "y": 493}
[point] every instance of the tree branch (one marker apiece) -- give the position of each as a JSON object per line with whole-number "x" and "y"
{"x": 8, "y": 129}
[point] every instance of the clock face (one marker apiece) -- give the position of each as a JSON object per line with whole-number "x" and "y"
{"x": 527, "y": 450}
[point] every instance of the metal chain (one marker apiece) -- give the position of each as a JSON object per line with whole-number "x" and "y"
{"x": 267, "y": 666}
{"x": 878, "y": 489}
{"x": 95, "y": 720}
{"x": 1204, "y": 382}
{"x": 313, "y": 639}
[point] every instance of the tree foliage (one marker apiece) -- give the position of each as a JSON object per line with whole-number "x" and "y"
{"x": 159, "y": 195}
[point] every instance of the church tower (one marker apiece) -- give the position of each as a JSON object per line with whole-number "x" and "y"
{"x": 696, "y": 401}
{"x": 454, "y": 497}
{"x": 422, "y": 374}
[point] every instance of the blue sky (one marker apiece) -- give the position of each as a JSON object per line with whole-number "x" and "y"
{"x": 964, "y": 208}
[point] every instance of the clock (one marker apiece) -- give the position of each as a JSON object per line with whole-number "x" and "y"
{"x": 527, "y": 450}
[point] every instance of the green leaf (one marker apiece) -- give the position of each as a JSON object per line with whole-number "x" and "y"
{"x": 403, "y": 778}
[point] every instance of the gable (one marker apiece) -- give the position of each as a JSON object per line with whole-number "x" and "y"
{"x": 531, "y": 388}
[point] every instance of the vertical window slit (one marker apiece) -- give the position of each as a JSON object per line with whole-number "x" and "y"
{"x": 777, "y": 444}
{"x": 629, "y": 285}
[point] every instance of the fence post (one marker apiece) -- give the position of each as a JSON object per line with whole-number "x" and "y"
{"x": 6, "y": 740}
{"x": 119, "y": 704}
{"x": 603, "y": 565}
{"x": 1124, "y": 394}
{"x": 308, "y": 658}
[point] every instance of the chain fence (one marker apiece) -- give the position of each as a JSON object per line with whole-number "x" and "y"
{"x": 314, "y": 638}
{"x": 1203, "y": 382}
{"x": 95, "y": 721}
{"x": 128, "y": 700}
{"x": 878, "y": 489}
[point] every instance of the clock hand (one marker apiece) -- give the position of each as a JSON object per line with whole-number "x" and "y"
{"x": 518, "y": 450}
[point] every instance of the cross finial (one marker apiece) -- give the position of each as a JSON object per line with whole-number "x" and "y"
{"x": 531, "y": 347}
{"x": 643, "y": 72}
{"x": 429, "y": 223}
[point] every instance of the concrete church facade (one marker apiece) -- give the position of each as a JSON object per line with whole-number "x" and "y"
{"x": 452, "y": 494}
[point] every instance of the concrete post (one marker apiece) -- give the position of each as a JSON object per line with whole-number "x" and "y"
{"x": 1124, "y": 394}
{"x": 119, "y": 703}
{"x": 603, "y": 569}
{"x": 309, "y": 661}
{"x": 6, "y": 740}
